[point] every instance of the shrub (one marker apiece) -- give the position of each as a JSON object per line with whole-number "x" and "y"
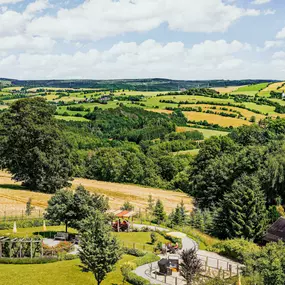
{"x": 147, "y": 258}
{"x": 136, "y": 280}
{"x": 134, "y": 252}
{"x": 23, "y": 224}
{"x": 39, "y": 260}
{"x": 236, "y": 249}
{"x": 126, "y": 268}
{"x": 153, "y": 238}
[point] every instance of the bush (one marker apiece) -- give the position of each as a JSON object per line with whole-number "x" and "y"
{"x": 136, "y": 280}
{"x": 134, "y": 252}
{"x": 39, "y": 260}
{"x": 23, "y": 224}
{"x": 236, "y": 249}
{"x": 153, "y": 238}
{"x": 147, "y": 258}
{"x": 126, "y": 268}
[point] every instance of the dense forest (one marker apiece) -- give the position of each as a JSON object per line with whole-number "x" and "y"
{"x": 152, "y": 84}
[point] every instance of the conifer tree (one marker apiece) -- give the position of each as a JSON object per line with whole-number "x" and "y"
{"x": 99, "y": 250}
{"x": 243, "y": 213}
{"x": 158, "y": 212}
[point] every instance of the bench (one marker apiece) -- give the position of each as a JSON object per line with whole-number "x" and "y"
{"x": 61, "y": 236}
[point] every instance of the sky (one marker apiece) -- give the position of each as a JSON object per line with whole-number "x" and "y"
{"x": 113, "y": 39}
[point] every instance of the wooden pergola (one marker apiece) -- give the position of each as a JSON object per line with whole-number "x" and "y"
{"x": 20, "y": 247}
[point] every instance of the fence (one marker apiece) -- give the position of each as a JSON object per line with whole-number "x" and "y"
{"x": 9, "y": 215}
{"x": 212, "y": 268}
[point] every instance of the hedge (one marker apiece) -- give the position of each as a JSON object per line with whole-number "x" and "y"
{"x": 236, "y": 249}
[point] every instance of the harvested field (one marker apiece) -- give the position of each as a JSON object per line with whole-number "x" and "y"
{"x": 216, "y": 119}
{"x": 13, "y": 197}
{"x": 137, "y": 195}
{"x": 229, "y": 89}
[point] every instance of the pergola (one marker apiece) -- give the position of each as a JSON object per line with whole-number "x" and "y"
{"x": 20, "y": 247}
{"x": 123, "y": 214}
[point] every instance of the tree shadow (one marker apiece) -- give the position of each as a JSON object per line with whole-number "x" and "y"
{"x": 12, "y": 187}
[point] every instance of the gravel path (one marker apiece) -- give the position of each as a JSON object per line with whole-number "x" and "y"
{"x": 213, "y": 259}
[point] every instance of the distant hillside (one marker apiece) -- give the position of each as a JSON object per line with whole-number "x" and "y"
{"x": 154, "y": 84}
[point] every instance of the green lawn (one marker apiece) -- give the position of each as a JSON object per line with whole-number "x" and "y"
{"x": 141, "y": 239}
{"x": 63, "y": 273}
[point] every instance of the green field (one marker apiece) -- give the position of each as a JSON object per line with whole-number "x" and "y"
{"x": 153, "y": 102}
{"x": 207, "y": 133}
{"x": 69, "y": 272}
{"x": 255, "y": 87}
{"x": 63, "y": 273}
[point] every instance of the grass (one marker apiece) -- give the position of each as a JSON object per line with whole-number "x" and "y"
{"x": 216, "y": 119}
{"x": 63, "y": 273}
{"x": 141, "y": 240}
{"x": 204, "y": 241}
{"x": 71, "y": 118}
{"x": 192, "y": 152}
{"x": 253, "y": 87}
{"x": 206, "y": 132}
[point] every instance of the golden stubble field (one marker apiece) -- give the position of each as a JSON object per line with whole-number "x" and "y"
{"x": 13, "y": 197}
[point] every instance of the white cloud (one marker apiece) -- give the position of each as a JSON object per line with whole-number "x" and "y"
{"x": 28, "y": 44}
{"x": 131, "y": 60}
{"x": 10, "y": 1}
{"x": 37, "y": 6}
{"x": 260, "y": 2}
{"x": 96, "y": 19}
{"x": 271, "y": 45}
{"x": 269, "y": 12}
{"x": 281, "y": 34}
{"x": 279, "y": 54}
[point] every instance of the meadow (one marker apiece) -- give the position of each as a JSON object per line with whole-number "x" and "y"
{"x": 13, "y": 197}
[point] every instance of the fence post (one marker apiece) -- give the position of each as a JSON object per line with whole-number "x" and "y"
{"x": 155, "y": 274}
{"x": 31, "y": 249}
{"x": 165, "y": 278}
{"x": 237, "y": 270}
{"x": 230, "y": 267}
{"x": 176, "y": 281}
{"x": 217, "y": 263}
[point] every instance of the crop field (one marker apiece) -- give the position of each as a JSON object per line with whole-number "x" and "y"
{"x": 216, "y": 119}
{"x": 206, "y": 132}
{"x": 13, "y": 197}
{"x": 90, "y": 98}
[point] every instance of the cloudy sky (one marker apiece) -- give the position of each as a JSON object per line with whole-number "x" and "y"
{"x": 178, "y": 39}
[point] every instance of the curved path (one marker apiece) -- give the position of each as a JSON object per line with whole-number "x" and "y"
{"x": 214, "y": 260}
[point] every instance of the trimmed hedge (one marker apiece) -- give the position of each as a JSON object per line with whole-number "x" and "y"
{"x": 136, "y": 280}
{"x": 147, "y": 258}
{"x": 32, "y": 223}
{"x": 134, "y": 252}
{"x": 39, "y": 260}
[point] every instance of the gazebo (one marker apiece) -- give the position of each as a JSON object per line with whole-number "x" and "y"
{"x": 125, "y": 216}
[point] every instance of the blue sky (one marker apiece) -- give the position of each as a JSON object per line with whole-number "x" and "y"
{"x": 181, "y": 39}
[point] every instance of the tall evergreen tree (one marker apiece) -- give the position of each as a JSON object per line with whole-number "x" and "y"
{"x": 243, "y": 213}
{"x": 159, "y": 212}
{"x": 99, "y": 250}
